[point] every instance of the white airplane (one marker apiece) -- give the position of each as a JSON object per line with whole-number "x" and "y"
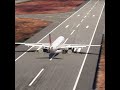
{"x": 58, "y": 46}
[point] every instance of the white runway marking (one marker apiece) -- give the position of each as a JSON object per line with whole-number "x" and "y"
{"x": 82, "y": 20}
{"x": 65, "y": 40}
{"x": 96, "y": 45}
{"x": 78, "y": 15}
{"x": 91, "y": 8}
{"x": 78, "y": 25}
{"x": 67, "y": 26}
{"x": 80, "y": 71}
{"x": 87, "y": 13}
{"x": 50, "y": 59}
{"x": 93, "y": 15}
{"x": 36, "y": 76}
{"x": 87, "y": 26}
{"x": 52, "y": 31}
{"x": 85, "y": 16}
{"x": 72, "y": 32}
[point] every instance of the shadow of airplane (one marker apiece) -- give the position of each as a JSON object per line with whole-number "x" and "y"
{"x": 47, "y": 58}
{"x": 89, "y": 53}
{"x": 51, "y": 54}
{"x": 26, "y": 51}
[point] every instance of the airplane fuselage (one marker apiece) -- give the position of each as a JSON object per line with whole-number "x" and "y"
{"x": 59, "y": 41}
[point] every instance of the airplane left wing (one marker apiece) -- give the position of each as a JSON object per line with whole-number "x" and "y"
{"x": 45, "y": 45}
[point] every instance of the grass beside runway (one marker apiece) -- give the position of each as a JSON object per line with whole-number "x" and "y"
{"x": 46, "y": 6}
{"x": 100, "y": 82}
{"x": 27, "y": 27}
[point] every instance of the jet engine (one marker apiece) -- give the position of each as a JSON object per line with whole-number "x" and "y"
{"x": 45, "y": 50}
{"x": 69, "y": 51}
{"x": 76, "y": 50}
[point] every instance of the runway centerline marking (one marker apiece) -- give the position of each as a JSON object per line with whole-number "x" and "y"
{"x": 67, "y": 26}
{"x": 78, "y": 25}
{"x": 36, "y": 76}
{"x": 52, "y": 31}
{"x": 80, "y": 71}
{"x": 72, "y": 32}
{"x": 87, "y": 26}
{"x": 82, "y": 20}
{"x": 92, "y": 8}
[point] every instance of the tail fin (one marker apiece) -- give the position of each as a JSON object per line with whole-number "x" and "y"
{"x": 50, "y": 39}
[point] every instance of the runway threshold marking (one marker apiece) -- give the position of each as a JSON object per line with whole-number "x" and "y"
{"x": 36, "y": 76}
{"x": 81, "y": 68}
{"x": 52, "y": 31}
{"x": 72, "y": 32}
{"x": 67, "y": 26}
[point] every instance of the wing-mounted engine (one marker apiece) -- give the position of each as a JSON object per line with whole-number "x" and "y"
{"x": 76, "y": 50}
{"x": 46, "y": 49}
{"x": 67, "y": 50}
{"x": 39, "y": 50}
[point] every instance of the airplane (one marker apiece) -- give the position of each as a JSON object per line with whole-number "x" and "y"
{"x": 56, "y": 47}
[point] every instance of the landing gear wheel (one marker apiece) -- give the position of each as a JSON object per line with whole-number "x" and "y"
{"x": 64, "y": 52}
{"x": 69, "y": 51}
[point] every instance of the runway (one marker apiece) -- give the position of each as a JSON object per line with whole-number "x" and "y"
{"x": 34, "y": 71}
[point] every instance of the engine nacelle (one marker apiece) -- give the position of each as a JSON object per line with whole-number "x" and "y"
{"x": 58, "y": 51}
{"x": 76, "y": 50}
{"x": 39, "y": 51}
{"x": 45, "y": 50}
{"x": 69, "y": 51}
{"x": 64, "y": 51}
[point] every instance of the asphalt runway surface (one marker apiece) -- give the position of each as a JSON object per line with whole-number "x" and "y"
{"x": 34, "y": 71}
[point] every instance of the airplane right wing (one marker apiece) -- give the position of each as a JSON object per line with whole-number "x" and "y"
{"x": 64, "y": 46}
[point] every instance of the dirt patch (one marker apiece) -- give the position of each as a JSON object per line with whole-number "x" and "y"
{"x": 100, "y": 84}
{"x": 46, "y": 6}
{"x": 26, "y": 27}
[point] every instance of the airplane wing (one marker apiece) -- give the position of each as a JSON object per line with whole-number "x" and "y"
{"x": 37, "y": 45}
{"x": 63, "y": 46}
